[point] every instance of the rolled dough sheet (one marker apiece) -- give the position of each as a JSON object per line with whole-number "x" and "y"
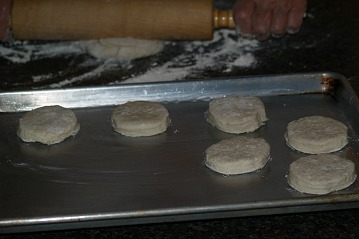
{"x": 122, "y": 49}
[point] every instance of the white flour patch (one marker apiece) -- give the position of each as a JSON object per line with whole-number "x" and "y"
{"x": 40, "y": 78}
{"x": 23, "y": 52}
{"x": 245, "y": 60}
{"x": 225, "y": 52}
{"x": 93, "y": 73}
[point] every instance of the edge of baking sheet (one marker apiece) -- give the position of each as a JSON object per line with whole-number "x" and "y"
{"x": 83, "y": 97}
{"x": 308, "y": 204}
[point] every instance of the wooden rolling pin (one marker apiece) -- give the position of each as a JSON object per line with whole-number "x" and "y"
{"x": 93, "y": 19}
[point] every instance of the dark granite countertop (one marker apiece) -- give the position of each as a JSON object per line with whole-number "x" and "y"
{"x": 337, "y": 224}
{"x": 328, "y": 41}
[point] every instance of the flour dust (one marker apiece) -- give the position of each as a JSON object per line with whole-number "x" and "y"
{"x": 225, "y": 52}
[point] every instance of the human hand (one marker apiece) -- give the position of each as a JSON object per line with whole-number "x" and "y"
{"x": 263, "y": 18}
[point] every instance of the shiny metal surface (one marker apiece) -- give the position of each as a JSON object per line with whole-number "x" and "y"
{"x": 101, "y": 178}
{"x": 164, "y": 92}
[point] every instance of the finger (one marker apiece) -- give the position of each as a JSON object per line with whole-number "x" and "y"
{"x": 242, "y": 14}
{"x": 261, "y": 22}
{"x": 295, "y": 16}
{"x": 279, "y": 24}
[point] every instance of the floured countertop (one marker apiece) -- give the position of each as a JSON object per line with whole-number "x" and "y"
{"x": 178, "y": 61}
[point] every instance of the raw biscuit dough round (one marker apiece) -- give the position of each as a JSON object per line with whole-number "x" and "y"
{"x": 123, "y": 49}
{"x": 237, "y": 114}
{"x": 316, "y": 135}
{"x": 140, "y": 118}
{"x": 237, "y": 155}
{"x": 48, "y": 125}
{"x": 321, "y": 174}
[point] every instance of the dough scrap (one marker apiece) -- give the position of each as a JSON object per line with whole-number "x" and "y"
{"x": 140, "y": 118}
{"x": 48, "y": 125}
{"x": 316, "y": 135}
{"x": 122, "y": 49}
{"x": 321, "y": 174}
{"x": 237, "y": 114}
{"x": 237, "y": 155}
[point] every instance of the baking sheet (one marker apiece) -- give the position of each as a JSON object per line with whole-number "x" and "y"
{"x": 101, "y": 178}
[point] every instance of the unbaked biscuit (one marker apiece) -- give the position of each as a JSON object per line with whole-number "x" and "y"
{"x": 48, "y": 125}
{"x": 316, "y": 134}
{"x": 238, "y": 155}
{"x": 140, "y": 118}
{"x": 321, "y": 174}
{"x": 237, "y": 114}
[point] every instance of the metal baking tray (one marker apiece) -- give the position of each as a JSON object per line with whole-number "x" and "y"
{"x": 101, "y": 178}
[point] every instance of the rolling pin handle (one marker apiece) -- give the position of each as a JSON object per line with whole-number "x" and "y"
{"x": 223, "y": 19}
